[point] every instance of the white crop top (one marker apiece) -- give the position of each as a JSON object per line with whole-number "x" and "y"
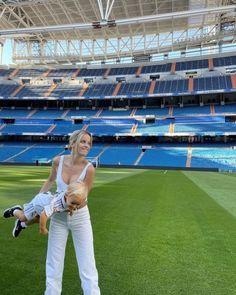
{"x": 61, "y": 185}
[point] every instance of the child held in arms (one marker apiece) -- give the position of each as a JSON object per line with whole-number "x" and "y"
{"x": 45, "y": 205}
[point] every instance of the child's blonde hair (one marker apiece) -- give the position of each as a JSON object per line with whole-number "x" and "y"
{"x": 76, "y": 136}
{"x": 76, "y": 189}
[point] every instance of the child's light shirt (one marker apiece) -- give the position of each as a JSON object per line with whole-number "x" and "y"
{"x": 47, "y": 201}
{"x": 57, "y": 204}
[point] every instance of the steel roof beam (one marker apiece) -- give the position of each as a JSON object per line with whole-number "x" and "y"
{"x": 136, "y": 20}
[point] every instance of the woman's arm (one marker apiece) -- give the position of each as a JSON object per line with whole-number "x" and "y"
{"x": 52, "y": 177}
{"x": 89, "y": 178}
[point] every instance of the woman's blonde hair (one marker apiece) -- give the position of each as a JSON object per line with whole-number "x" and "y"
{"x": 76, "y": 136}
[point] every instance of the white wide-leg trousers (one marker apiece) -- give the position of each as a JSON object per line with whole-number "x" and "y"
{"x": 81, "y": 229}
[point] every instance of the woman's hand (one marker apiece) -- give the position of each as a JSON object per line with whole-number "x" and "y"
{"x": 71, "y": 212}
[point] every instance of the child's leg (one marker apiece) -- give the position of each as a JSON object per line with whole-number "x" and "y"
{"x": 19, "y": 214}
{"x": 9, "y": 211}
{"x": 32, "y": 221}
{"x": 17, "y": 228}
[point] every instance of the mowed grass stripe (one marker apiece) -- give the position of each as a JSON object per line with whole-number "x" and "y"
{"x": 163, "y": 235}
{"x": 154, "y": 233}
{"x": 21, "y": 183}
{"x": 220, "y": 187}
{"x": 106, "y": 175}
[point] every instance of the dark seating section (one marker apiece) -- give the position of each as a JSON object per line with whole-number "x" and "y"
{"x": 33, "y": 91}
{"x": 212, "y": 83}
{"x": 91, "y": 72}
{"x": 66, "y": 90}
{"x": 139, "y": 88}
{"x": 5, "y": 73}
{"x": 30, "y": 72}
{"x": 164, "y": 84}
{"x": 224, "y": 61}
{"x": 156, "y": 68}
{"x": 7, "y": 89}
{"x": 171, "y": 86}
{"x": 61, "y": 73}
{"x": 119, "y": 71}
{"x": 100, "y": 90}
{"x": 191, "y": 65}
{"x": 123, "y": 71}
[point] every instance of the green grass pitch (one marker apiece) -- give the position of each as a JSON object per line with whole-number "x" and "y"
{"x": 155, "y": 233}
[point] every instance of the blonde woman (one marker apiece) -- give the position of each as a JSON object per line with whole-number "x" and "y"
{"x": 65, "y": 170}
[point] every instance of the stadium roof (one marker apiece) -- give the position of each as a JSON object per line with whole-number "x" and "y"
{"x": 43, "y": 21}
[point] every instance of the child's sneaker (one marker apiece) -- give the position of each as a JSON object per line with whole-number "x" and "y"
{"x": 9, "y": 212}
{"x": 17, "y": 228}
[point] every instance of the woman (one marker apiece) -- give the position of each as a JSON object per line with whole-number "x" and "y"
{"x": 65, "y": 170}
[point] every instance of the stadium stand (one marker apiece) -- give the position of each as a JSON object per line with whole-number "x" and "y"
{"x": 160, "y": 110}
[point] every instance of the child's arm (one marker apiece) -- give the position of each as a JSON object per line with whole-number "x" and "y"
{"x": 43, "y": 223}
